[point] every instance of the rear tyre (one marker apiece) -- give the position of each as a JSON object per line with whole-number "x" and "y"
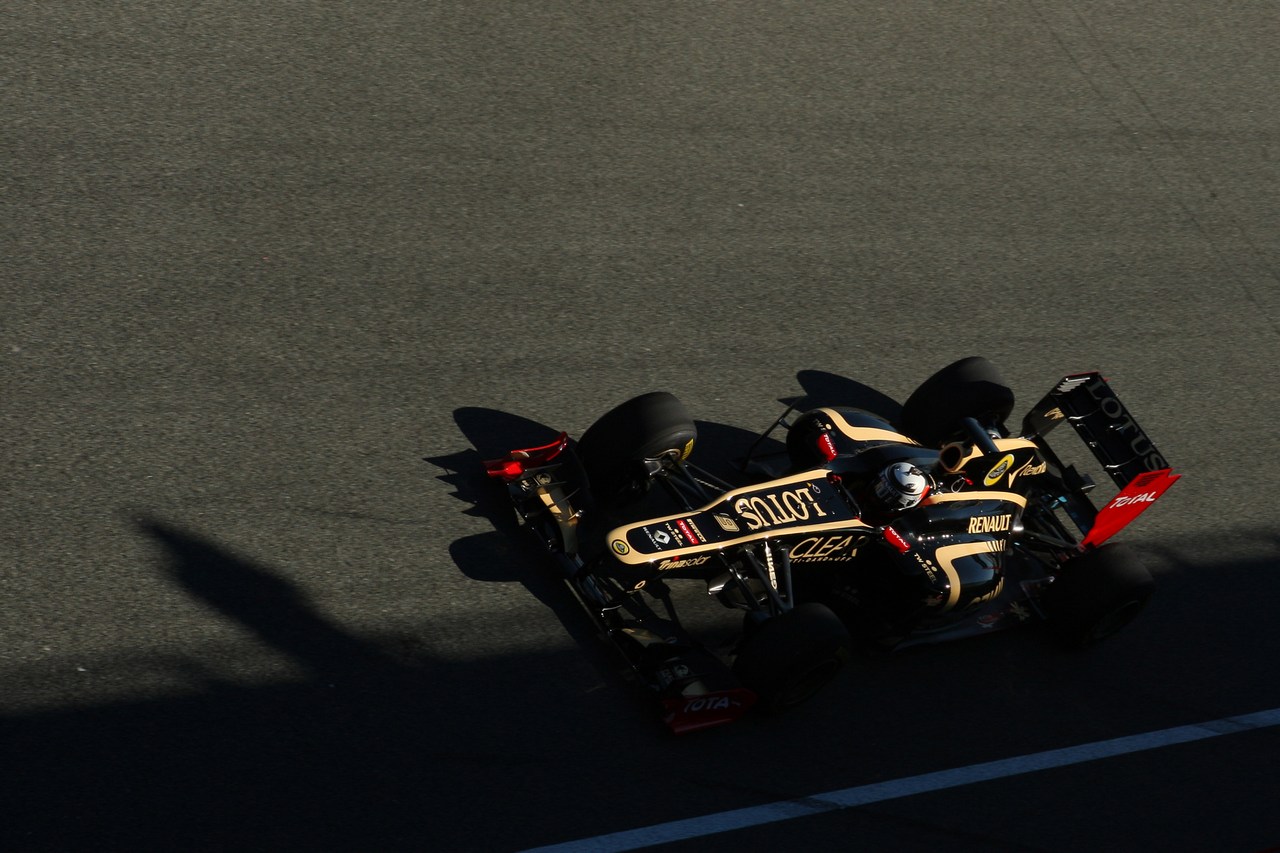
{"x": 1097, "y": 594}
{"x": 614, "y": 449}
{"x": 969, "y": 388}
{"x": 786, "y": 660}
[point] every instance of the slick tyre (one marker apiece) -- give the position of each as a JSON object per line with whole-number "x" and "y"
{"x": 786, "y": 660}
{"x": 613, "y": 450}
{"x": 1097, "y": 594}
{"x": 969, "y": 388}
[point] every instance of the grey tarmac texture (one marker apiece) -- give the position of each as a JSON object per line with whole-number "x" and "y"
{"x": 272, "y": 271}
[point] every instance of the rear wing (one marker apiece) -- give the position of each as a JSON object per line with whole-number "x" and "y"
{"x": 1086, "y": 401}
{"x": 1127, "y": 454}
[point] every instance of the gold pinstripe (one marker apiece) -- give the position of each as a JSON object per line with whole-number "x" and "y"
{"x": 858, "y": 433}
{"x": 947, "y": 497}
{"x": 947, "y": 556}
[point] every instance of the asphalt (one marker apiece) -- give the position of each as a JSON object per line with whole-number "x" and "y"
{"x": 276, "y": 279}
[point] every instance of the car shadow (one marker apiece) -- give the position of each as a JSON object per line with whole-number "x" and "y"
{"x": 829, "y": 389}
{"x": 503, "y": 555}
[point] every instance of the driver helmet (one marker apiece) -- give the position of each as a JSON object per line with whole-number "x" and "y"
{"x": 900, "y": 487}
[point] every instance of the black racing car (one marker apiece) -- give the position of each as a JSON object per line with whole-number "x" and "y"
{"x": 942, "y": 524}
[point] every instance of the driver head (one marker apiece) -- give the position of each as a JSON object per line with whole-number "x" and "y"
{"x": 901, "y": 486}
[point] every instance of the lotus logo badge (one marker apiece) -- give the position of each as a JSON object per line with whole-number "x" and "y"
{"x": 999, "y": 471}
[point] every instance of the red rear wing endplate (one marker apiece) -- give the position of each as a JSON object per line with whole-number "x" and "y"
{"x": 1132, "y": 501}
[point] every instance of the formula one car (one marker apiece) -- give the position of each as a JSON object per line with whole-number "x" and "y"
{"x": 943, "y": 524}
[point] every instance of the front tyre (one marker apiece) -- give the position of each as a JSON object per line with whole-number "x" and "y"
{"x": 787, "y": 659}
{"x": 1096, "y": 594}
{"x": 614, "y": 449}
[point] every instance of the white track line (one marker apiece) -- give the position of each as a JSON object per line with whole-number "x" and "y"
{"x": 697, "y": 827}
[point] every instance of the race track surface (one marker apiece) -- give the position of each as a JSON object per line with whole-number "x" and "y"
{"x": 278, "y": 276}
